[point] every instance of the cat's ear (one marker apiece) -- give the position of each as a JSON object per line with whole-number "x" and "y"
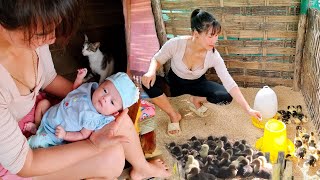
{"x": 85, "y": 38}
{"x": 96, "y": 45}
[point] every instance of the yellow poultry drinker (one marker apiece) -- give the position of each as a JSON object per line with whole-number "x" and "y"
{"x": 275, "y": 140}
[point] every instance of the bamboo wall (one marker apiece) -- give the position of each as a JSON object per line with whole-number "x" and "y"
{"x": 310, "y": 80}
{"x": 258, "y": 37}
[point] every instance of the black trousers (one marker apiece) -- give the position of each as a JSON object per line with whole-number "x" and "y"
{"x": 214, "y": 92}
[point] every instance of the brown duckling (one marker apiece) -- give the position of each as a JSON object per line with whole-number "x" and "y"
{"x": 225, "y": 161}
{"x": 260, "y": 171}
{"x": 227, "y": 172}
{"x": 244, "y": 169}
{"x": 195, "y": 174}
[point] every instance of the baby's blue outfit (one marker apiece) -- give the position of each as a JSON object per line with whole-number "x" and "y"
{"x": 73, "y": 113}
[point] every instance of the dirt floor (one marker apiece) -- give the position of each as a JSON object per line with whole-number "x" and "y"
{"x": 229, "y": 120}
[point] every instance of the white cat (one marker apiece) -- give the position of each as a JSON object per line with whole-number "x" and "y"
{"x": 100, "y": 63}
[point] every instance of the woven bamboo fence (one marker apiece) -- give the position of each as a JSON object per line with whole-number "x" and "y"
{"x": 310, "y": 76}
{"x": 258, "y": 38}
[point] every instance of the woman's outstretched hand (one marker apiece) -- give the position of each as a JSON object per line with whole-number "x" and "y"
{"x": 148, "y": 79}
{"x": 255, "y": 114}
{"x": 105, "y": 136}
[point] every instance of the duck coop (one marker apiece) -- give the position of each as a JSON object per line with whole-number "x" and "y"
{"x": 263, "y": 42}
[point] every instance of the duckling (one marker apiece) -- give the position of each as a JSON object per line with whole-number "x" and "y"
{"x": 194, "y": 153}
{"x": 204, "y": 150}
{"x": 242, "y": 147}
{"x": 176, "y": 151}
{"x": 305, "y": 138}
{"x": 312, "y": 137}
{"x": 196, "y": 144}
{"x": 171, "y": 145}
{"x": 265, "y": 164}
{"x": 259, "y": 171}
{"x": 297, "y": 140}
{"x": 210, "y": 138}
{"x": 230, "y": 151}
{"x": 193, "y": 138}
{"x": 311, "y": 160}
{"x": 212, "y": 144}
{"x": 225, "y": 161}
{"x": 244, "y": 169}
{"x": 195, "y": 174}
{"x": 191, "y": 163}
{"x": 224, "y": 139}
{"x": 219, "y": 149}
{"x": 294, "y": 118}
{"x": 257, "y": 154}
{"x": 299, "y": 109}
{"x": 236, "y": 143}
{"x": 291, "y": 109}
{"x": 227, "y": 172}
{"x": 236, "y": 162}
{"x": 209, "y": 162}
{"x": 304, "y": 118}
{"x": 301, "y": 152}
{"x": 186, "y": 146}
{"x": 227, "y": 145}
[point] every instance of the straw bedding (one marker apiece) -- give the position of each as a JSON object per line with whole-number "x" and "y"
{"x": 229, "y": 120}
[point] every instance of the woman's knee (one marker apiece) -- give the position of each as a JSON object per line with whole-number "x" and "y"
{"x": 113, "y": 160}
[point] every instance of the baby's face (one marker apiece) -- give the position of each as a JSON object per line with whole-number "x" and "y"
{"x": 106, "y": 99}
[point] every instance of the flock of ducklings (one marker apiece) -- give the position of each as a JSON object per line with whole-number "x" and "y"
{"x": 292, "y": 115}
{"x": 306, "y": 146}
{"x": 217, "y": 157}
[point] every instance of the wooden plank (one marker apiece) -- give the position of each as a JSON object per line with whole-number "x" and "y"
{"x": 287, "y": 174}
{"x": 299, "y": 52}
{"x": 280, "y": 50}
{"x": 257, "y": 65}
{"x": 281, "y": 34}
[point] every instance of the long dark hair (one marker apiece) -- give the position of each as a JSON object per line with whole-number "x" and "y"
{"x": 201, "y": 21}
{"x": 29, "y": 14}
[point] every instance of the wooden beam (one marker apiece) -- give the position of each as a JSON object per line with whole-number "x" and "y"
{"x": 299, "y": 52}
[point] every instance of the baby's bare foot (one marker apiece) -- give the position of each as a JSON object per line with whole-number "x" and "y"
{"x": 30, "y": 127}
{"x": 156, "y": 168}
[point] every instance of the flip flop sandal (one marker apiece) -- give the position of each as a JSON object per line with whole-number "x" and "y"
{"x": 174, "y": 127}
{"x": 202, "y": 111}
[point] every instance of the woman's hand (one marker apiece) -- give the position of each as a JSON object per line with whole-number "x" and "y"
{"x": 255, "y": 114}
{"x": 148, "y": 79}
{"x": 105, "y": 136}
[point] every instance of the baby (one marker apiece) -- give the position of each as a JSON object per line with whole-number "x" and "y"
{"x": 87, "y": 108}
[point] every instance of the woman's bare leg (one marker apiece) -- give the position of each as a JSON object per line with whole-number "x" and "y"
{"x": 134, "y": 154}
{"x": 163, "y": 103}
{"x": 107, "y": 165}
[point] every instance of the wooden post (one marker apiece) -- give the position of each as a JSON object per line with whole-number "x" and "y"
{"x": 161, "y": 30}
{"x": 160, "y": 27}
{"x": 300, "y": 45}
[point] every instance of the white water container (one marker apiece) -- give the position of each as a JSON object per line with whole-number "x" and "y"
{"x": 266, "y": 102}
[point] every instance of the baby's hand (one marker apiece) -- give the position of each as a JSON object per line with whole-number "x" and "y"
{"x": 82, "y": 73}
{"x": 60, "y": 132}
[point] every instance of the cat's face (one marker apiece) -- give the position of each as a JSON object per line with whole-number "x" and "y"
{"x": 90, "y": 48}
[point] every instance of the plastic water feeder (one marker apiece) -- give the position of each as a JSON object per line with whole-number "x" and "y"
{"x": 267, "y": 103}
{"x": 275, "y": 140}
